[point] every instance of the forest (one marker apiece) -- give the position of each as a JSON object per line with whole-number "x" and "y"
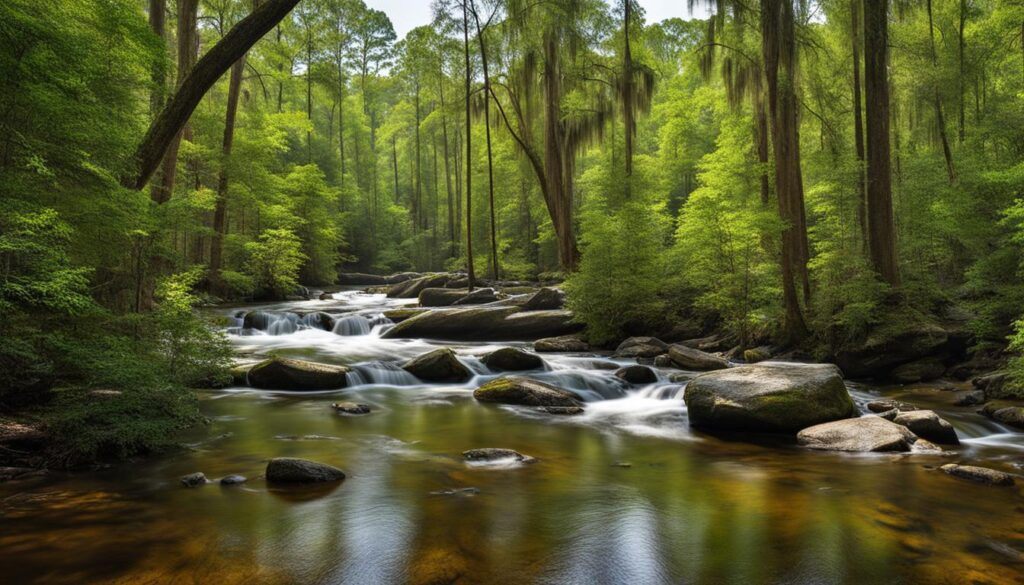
{"x": 838, "y": 181}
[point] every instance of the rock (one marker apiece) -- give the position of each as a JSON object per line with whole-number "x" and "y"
{"x": 928, "y": 425}
{"x": 351, "y": 408}
{"x": 233, "y": 480}
{"x": 1004, "y": 412}
{"x": 279, "y": 373}
{"x": 561, "y": 410}
{"x": 604, "y": 365}
{"x": 768, "y": 397}
{"x": 439, "y": 365}
{"x": 889, "y": 415}
{"x": 376, "y": 279}
{"x": 326, "y": 297}
{"x": 641, "y": 347}
{"x": 494, "y": 454}
{"x": 194, "y": 480}
{"x": 512, "y": 359}
{"x": 689, "y": 358}
{"x": 440, "y": 297}
{"x": 970, "y": 398}
{"x": 879, "y": 354}
{"x": 680, "y": 377}
{"x": 978, "y": 474}
{"x": 664, "y": 361}
{"x": 292, "y": 470}
{"x": 240, "y": 375}
{"x": 478, "y": 297}
{"x": 410, "y": 289}
{"x": 525, "y": 392}
{"x": 467, "y": 491}
{"x": 886, "y": 405}
{"x": 545, "y": 299}
{"x": 485, "y": 324}
{"x": 921, "y": 370}
{"x": 637, "y": 374}
{"x": 867, "y": 433}
{"x": 757, "y": 354}
{"x": 925, "y": 446}
{"x": 997, "y": 385}
{"x": 563, "y": 343}
{"x": 399, "y": 315}
{"x": 16, "y": 473}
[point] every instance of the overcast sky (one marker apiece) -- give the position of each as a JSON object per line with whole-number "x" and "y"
{"x": 408, "y": 14}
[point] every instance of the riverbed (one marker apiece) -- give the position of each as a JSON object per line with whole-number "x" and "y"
{"x": 624, "y": 493}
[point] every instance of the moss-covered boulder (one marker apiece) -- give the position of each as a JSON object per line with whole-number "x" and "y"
{"x": 781, "y": 398}
{"x": 439, "y": 365}
{"x": 513, "y": 359}
{"x": 292, "y": 470}
{"x": 399, "y": 315}
{"x": 883, "y": 351}
{"x": 479, "y": 296}
{"x": 545, "y": 299}
{"x": 279, "y": 373}
{"x": 562, "y": 343}
{"x": 1004, "y": 412}
{"x": 440, "y": 297}
{"x": 689, "y": 358}
{"x": 410, "y": 289}
{"x": 864, "y": 434}
{"x": 525, "y": 392}
{"x": 928, "y": 425}
{"x": 921, "y": 370}
{"x": 641, "y": 347}
{"x": 485, "y": 324}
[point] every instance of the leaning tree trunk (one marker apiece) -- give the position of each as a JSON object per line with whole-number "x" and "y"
{"x": 195, "y": 85}
{"x": 469, "y": 150}
{"x": 557, "y": 192}
{"x": 187, "y": 32}
{"x": 881, "y": 226}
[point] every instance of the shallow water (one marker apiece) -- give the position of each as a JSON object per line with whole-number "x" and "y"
{"x": 625, "y": 493}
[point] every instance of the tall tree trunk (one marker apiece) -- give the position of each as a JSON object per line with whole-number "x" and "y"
{"x": 469, "y": 149}
{"x": 158, "y": 22}
{"x": 186, "y": 37}
{"x": 220, "y": 208}
{"x": 940, "y": 119}
{"x": 858, "y": 122}
{"x": 418, "y": 205}
{"x": 960, "y": 78}
{"x": 882, "y": 228}
{"x": 558, "y": 192}
{"x": 490, "y": 156}
{"x": 761, "y": 139}
{"x": 779, "y": 48}
{"x": 309, "y": 95}
{"x": 447, "y": 169}
{"x": 394, "y": 164}
{"x": 628, "y": 91}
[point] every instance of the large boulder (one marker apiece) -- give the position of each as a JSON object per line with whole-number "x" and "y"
{"x": 292, "y": 470}
{"x": 399, "y": 315}
{"x": 545, "y": 299}
{"x": 921, "y": 370}
{"x": 439, "y": 365}
{"x": 877, "y": 356}
{"x": 868, "y": 434}
{"x": 512, "y": 359}
{"x": 689, "y": 358}
{"x": 928, "y": 425}
{"x": 525, "y": 392}
{"x": 768, "y": 397}
{"x": 978, "y": 474}
{"x": 641, "y": 347}
{"x": 485, "y": 324}
{"x": 279, "y": 373}
{"x": 562, "y": 343}
{"x": 440, "y": 297}
{"x": 410, "y": 289}
{"x": 1004, "y": 412}
{"x": 479, "y": 296}
{"x": 637, "y": 374}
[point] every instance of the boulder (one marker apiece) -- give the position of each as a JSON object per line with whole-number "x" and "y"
{"x": 928, "y": 425}
{"x": 664, "y": 361}
{"x": 194, "y": 480}
{"x": 240, "y": 374}
{"x": 867, "y": 434}
{"x": 604, "y": 365}
{"x": 292, "y": 470}
{"x": 233, "y": 480}
{"x": 477, "y": 297}
{"x": 485, "y": 324}
{"x": 512, "y": 359}
{"x": 439, "y": 365}
{"x": 886, "y": 405}
{"x": 495, "y": 454}
{"x": 561, "y": 410}
{"x": 361, "y": 278}
{"x": 970, "y": 398}
{"x": 562, "y": 343}
{"x": 768, "y": 397}
{"x": 1004, "y": 412}
{"x": 978, "y": 474}
{"x": 279, "y": 373}
{"x": 637, "y": 374}
{"x": 525, "y": 392}
{"x": 689, "y": 358}
{"x": 921, "y": 370}
{"x": 399, "y": 315}
{"x": 440, "y": 297}
{"x": 545, "y": 299}
{"x": 879, "y": 354}
{"x": 351, "y": 408}
{"x": 410, "y": 289}
{"x": 641, "y": 347}
{"x": 326, "y": 296}
{"x": 757, "y": 354}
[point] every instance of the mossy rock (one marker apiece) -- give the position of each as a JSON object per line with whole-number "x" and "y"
{"x": 512, "y": 359}
{"x": 440, "y": 297}
{"x": 439, "y": 365}
{"x": 689, "y": 358}
{"x": 279, "y": 373}
{"x": 1004, "y": 412}
{"x": 485, "y": 323}
{"x": 410, "y": 289}
{"x": 399, "y": 315}
{"x": 292, "y": 470}
{"x": 524, "y": 392}
{"x": 562, "y": 343}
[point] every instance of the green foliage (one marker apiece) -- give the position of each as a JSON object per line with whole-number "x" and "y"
{"x": 274, "y": 261}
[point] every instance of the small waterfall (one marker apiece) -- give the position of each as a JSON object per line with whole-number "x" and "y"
{"x": 379, "y": 324}
{"x": 662, "y": 391}
{"x": 352, "y": 325}
{"x": 591, "y": 385}
{"x": 385, "y": 373}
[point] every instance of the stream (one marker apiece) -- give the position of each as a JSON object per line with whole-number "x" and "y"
{"x": 624, "y": 493}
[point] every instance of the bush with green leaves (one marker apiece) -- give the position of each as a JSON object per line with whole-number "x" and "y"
{"x": 274, "y": 263}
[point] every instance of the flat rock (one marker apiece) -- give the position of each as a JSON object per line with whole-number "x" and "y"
{"x": 485, "y": 323}
{"x": 495, "y": 454}
{"x": 477, "y": 297}
{"x": 351, "y": 408}
{"x": 512, "y": 359}
{"x": 279, "y": 373}
{"x": 641, "y": 347}
{"x": 293, "y": 470}
{"x": 864, "y": 434}
{"x": 233, "y": 480}
{"x": 886, "y": 405}
{"x": 637, "y": 374}
{"x": 689, "y": 358}
{"x": 410, "y": 289}
{"x": 561, "y": 410}
{"x": 440, "y": 297}
{"x": 525, "y": 392}
{"x": 928, "y": 425}
{"x": 978, "y": 474}
{"x": 439, "y": 365}
{"x": 561, "y": 343}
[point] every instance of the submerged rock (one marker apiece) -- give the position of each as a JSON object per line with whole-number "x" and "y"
{"x": 279, "y": 373}
{"x": 293, "y": 470}
{"x": 866, "y": 434}
{"x": 233, "y": 480}
{"x": 928, "y": 425}
{"x": 512, "y": 359}
{"x": 485, "y": 324}
{"x": 439, "y": 365}
{"x": 194, "y": 480}
{"x": 641, "y": 347}
{"x": 351, "y": 408}
{"x": 768, "y": 397}
{"x": 563, "y": 343}
{"x": 545, "y": 299}
{"x": 970, "y": 398}
{"x": 689, "y": 358}
{"x": 637, "y": 374}
{"x": 978, "y": 474}
{"x": 495, "y": 454}
{"x": 525, "y": 392}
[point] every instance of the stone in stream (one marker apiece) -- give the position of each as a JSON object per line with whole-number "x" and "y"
{"x": 757, "y": 354}
{"x": 410, "y": 289}
{"x": 293, "y": 470}
{"x": 477, "y": 297}
{"x": 524, "y": 392}
{"x": 921, "y": 370}
{"x": 440, "y": 297}
{"x": 351, "y": 408}
{"x": 512, "y": 359}
{"x": 326, "y": 296}
{"x": 562, "y": 343}
{"x": 637, "y": 374}
{"x": 689, "y": 358}
{"x": 864, "y": 434}
{"x": 970, "y": 398}
{"x": 1004, "y": 412}
{"x": 641, "y": 347}
{"x": 485, "y": 323}
{"x": 466, "y": 491}
{"x": 545, "y": 299}
{"x": 494, "y": 454}
{"x": 233, "y": 480}
{"x": 664, "y": 361}
{"x": 879, "y": 406}
{"x": 878, "y": 355}
{"x": 240, "y": 374}
{"x": 279, "y": 373}
{"x": 439, "y": 365}
{"x": 194, "y": 480}
{"x": 978, "y": 474}
{"x": 561, "y": 410}
{"x": 928, "y": 425}
{"x": 399, "y": 315}
{"x": 777, "y": 397}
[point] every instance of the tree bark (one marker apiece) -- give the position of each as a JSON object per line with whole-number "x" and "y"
{"x": 858, "y": 123}
{"x": 469, "y": 149}
{"x": 960, "y": 78}
{"x": 186, "y": 37}
{"x": 940, "y": 119}
{"x": 490, "y": 156}
{"x": 628, "y": 91}
{"x": 447, "y": 168}
{"x": 195, "y": 85}
{"x": 220, "y": 209}
{"x": 881, "y": 226}
{"x": 158, "y": 22}
{"x": 557, "y": 167}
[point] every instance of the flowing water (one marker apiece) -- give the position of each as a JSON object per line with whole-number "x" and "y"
{"x": 625, "y": 493}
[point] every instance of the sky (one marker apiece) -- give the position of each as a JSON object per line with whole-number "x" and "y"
{"x": 408, "y": 14}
